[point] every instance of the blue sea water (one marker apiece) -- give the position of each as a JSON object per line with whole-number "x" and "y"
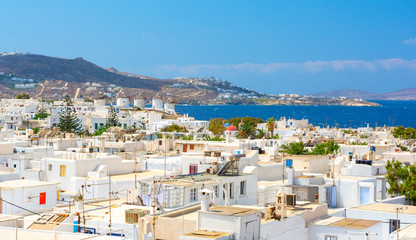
{"x": 391, "y": 113}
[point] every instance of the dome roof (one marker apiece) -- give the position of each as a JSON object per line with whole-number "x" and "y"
{"x": 140, "y": 96}
{"x": 157, "y": 96}
{"x": 100, "y": 95}
{"x": 122, "y": 95}
{"x": 231, "y": 128}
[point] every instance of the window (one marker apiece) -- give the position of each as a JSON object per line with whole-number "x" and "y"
{"x": 224, "y": 190}
{"x": 243, "y": 188}
{"x": 14, "y": 165}
{"x": 331, "y": 237}
{"x": 194, "y": 194}
{"x": 191, "y": 147}
{"x": 193, "y": 169}
{"x": 63, "y": 171}
{"x": 215, "y": 191}
{"x": 394, "y": 225}
{"x": 50, "y": 167}
{"x": 231, "y": 190}
{"x": 145, "y": 188}
{"x": 96, "y": 126}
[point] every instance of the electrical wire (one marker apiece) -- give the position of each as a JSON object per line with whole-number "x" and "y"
{"x": 20, "y": 207}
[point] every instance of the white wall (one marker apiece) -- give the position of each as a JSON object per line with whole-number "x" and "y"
{"x": 20, "y": 197}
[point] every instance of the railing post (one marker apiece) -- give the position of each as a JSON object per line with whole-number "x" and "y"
{"x": 15, "y": 224}
{"x": 54, "y": 231}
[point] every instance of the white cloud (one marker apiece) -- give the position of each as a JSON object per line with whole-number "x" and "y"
{"x": 309, "y": 67}
{"x": 410, "y": 41}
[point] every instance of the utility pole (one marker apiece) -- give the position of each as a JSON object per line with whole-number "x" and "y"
{"x": 398, "y": 208}
{"x": 166, "y": 138}
{"x": 283, "y": 166}
{"x": 83, "y": 210}
{"x": 165, "y": 198}
{"x": 397, "y": 222}
{"x": 135, "y": 168}
{"x": 109, "y": 206}
{"x": 333, "y": 168}
{"x": 154, "y": 209}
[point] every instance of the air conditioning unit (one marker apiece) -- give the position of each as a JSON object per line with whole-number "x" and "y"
{"x": 329, "y": 174}
{"x": 132, "y": 215}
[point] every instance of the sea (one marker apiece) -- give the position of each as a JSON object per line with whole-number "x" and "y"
{"x": 391, "y": 113}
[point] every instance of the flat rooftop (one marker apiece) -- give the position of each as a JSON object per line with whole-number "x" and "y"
{"x": 206, "y": 234}
{"x": 389, "y": 208}
{"x": 142, "y": 174}
{"x": 347, "y": 222}
{"x": 408, "y": 232}
{"x": 236, "y": 211}
{"x": 22, "y": 183}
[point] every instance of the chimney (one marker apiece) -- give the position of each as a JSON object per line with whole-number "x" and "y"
{"x": 205, "y": 199}
{"x": 227, "y": 137}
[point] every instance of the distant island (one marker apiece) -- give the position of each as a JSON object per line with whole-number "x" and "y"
{"x": 52, "y": 78}
{"x": 403, "y": 94}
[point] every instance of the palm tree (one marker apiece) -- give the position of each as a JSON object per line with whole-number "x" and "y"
{"x": 260, "y": 133}
{"x": 271, "y": 125}
{"x": 246, "y": 130}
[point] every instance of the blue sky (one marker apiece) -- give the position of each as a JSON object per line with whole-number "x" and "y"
{"x": 270, "y": 46}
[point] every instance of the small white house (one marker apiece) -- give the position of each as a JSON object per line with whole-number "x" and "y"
{"x": 18, "y": 195}
{"x": 243, "y": 223}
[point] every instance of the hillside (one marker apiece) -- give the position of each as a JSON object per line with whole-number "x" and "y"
{"x": 403, "y": 94}
{"x": 78, "y": 70}
{"x": 51, "y": 78}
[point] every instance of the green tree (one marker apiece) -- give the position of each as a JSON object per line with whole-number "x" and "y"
{"x": 325, "y": 148}
{"x": 271, "y": 125}
{"x": 68, "y": 119}
{"x": 42, "y": 112}
{"x": 216, "y": 138}
{"x": 216, "y": 125}
{"x": 403, "y": 148}
{"x": 295, "y": 148}
{"x": 23, "y": 96}
{"x": 404, "y": 133}
{"x": 173, "y": 128}
{"x": 100, "y": 132}
{"x": 246, "y": 130}
{"x": 112, "y": 118}
{"x": 401, "y": 180}
{"x": 250, "y": 120}
{"x": 35, "y": 130}
{"x": 260, "y": 133}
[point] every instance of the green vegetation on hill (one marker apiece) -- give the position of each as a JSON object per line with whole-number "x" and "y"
{"x": 23, "y": 96}
{"x": 404, "y": 133}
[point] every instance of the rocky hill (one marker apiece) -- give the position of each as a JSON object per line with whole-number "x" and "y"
{"x": 78, "y": 70}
